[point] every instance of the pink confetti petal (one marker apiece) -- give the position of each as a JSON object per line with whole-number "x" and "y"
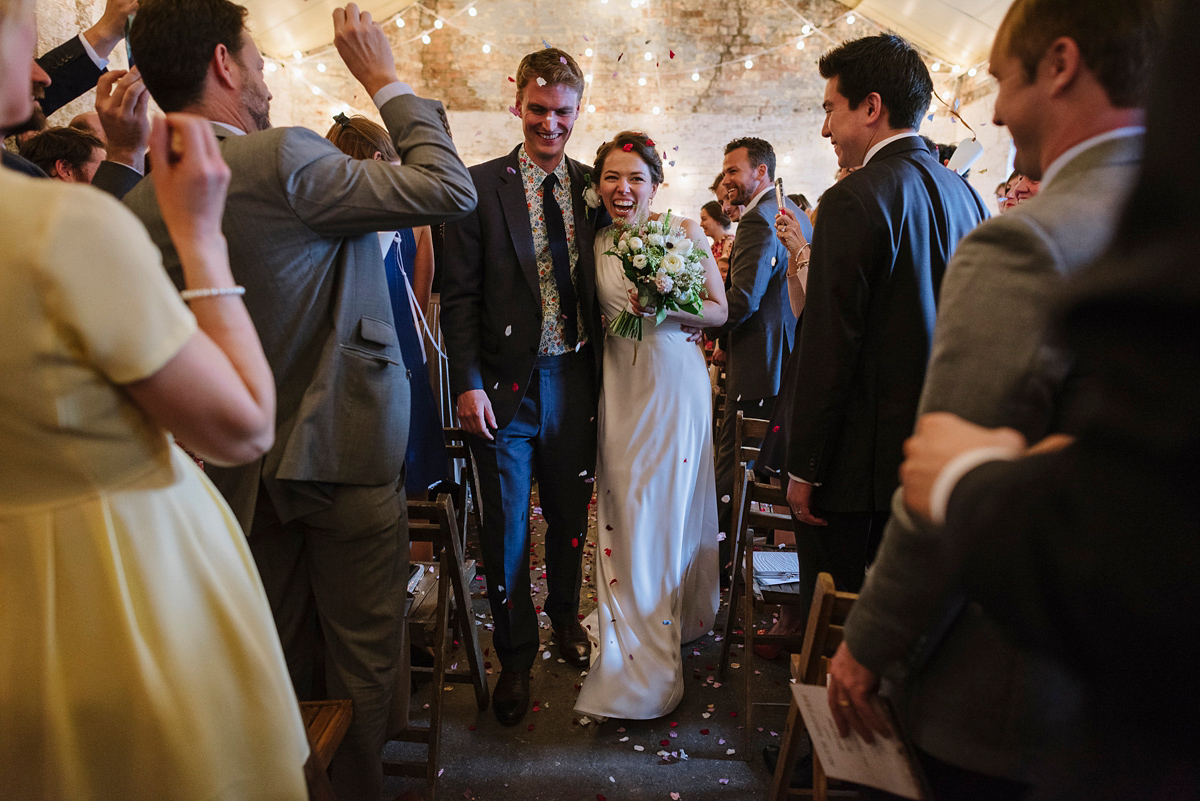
{"x": 515, "y": 113}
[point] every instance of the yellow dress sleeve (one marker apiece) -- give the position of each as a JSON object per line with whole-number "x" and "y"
{"x": 106, "y": 286}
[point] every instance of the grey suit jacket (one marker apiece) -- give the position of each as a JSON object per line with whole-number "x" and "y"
{"x": 761, "y": 326}
{"x": 300, "y": 221}
{"x": 971, "y": 697}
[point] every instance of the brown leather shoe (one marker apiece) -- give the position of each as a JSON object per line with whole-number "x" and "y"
{"x": 573, "y": 644}
{"x": 510, "y": 699}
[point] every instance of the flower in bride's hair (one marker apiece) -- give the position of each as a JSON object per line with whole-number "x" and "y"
{"x": 628, "y": 148}
{"x": 672, "y": 263}
{"x": 591, "y": 197}
{"x": 640, "y": 260}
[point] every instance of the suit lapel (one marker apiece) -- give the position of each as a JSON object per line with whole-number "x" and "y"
{"x": 516, "y": 211}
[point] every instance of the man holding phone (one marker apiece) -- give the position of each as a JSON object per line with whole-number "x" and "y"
{"x": 761, "y": 326}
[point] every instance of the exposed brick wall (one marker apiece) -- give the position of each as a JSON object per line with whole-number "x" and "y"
{"x": 779, "y": 99}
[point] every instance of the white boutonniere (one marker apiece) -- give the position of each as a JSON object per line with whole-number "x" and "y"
{"x": 590, "y": 196}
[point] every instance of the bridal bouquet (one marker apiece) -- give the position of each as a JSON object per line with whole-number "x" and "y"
{"x": 664, "y": 267}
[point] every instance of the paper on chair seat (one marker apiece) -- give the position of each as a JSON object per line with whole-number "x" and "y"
{"x": 885, "y": 765}
{"x": 776, "y": 567}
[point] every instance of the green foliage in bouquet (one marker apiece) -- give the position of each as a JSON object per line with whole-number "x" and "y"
{"x": 664, "y": 265}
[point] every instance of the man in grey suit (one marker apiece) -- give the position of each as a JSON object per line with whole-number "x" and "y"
{"x": 979, "y": 709}
{"x": 324, "y": 508}
{"x": 761, "y": 325}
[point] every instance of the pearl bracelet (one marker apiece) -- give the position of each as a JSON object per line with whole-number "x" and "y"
{"x": 211, "y": 292}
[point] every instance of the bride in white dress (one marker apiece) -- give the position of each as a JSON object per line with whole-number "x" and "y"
{"x": 656, "y": 559}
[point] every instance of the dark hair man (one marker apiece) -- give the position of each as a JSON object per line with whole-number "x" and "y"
{"x": 883, "y": 237}
{"x": 523, "y": 335}
{"x": 324, "y": 510}
{"x": 980, "y": 710}
{"x": 66, "y": 154}
{"x": 758, "y": 335}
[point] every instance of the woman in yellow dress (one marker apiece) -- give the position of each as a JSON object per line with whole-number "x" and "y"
{"x": 138, "y": 657}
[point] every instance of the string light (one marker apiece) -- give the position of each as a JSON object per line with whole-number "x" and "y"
{"x": 799, "y": 44}
{"x": 588, "y": 52}
{"x": 487, "y": 48}
{"x": 695, "y": 76}
{"x": 297, "y": 55}
{"x": 851, "y": 19}
{"x": 656, "y": 110}
{"x": 937, "y": 66}
{"x": 399, "y": 22}
{"x": 641, "y": 81}
{"x": 472, "y": 11}
{"x": 749, "y": 64}
{"x": 272, "y": 66}
{"x": 425, "y": 38}
{"x": 972, "y": 72}
{"x": 807, "y": 29}
{"x": 296, "y": 73}
{"x": 316, "y": 90}
{"x": 587, "y": 78}
{"x": 649, "y": 56}
{"x": 321, "y": 67}
{"x": 591, "y": 108}
{"x": 437, "y": 23}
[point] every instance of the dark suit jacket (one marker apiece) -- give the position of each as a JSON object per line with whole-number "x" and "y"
{"x": 761, "y": 327}
{"x": 883, "y": 237}
{"x": 301, "y": 222}
{"x": 491, "y": 295}
{"x": 72, "y": 72}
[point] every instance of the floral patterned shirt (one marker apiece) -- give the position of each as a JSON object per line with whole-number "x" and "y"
{"x": 553, "y": 340}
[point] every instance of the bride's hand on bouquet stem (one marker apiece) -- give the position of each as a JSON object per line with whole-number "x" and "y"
{"x": 637, "y": 308}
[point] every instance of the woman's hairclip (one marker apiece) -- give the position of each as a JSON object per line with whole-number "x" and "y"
{"x": 341, "y": 119}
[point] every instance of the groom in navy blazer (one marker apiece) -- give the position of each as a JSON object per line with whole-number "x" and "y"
{"x": 523, "y": 335}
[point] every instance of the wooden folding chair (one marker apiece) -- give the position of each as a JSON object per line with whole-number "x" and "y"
{"x": 435, "y": 522}
{"x": 826, "y": 617}
{"x": 466, "y": 499}
{"x": 753, "y": 500}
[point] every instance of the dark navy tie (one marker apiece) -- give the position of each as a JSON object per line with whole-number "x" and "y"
{"x": 560, "y": 254}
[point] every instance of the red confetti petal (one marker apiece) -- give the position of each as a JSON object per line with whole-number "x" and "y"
{"x": 672, "y": 52}
{"x": 628, "y": 148}
{"x": 470, "y": 728}
{"x": 515, "y": 386}
{"x": 608, "y": 551}
{"x": 776, "y": 429}
{"x": 664, "y": 742}
{"x": 650, "y": 142}
{"x": 614, "y": 581}
{"x": 574, "y": 542}
{"x": 531, "y": 727}
{"x": 600, "y": 797}
{"x": 733, "y": 714}
{"x": 674, "y": 724}
{"x": 704, "y": 731}
{"x": 511, "y": 79}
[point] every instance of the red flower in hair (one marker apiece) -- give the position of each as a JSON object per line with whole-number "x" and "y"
{"x": 650, "y": 142}
{"x": 628, "y": 148}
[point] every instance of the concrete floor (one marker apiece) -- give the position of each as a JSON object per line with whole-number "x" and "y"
{"x": 553, "y": 755}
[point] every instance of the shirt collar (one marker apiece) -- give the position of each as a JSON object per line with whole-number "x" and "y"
{"x": 229, "y": 127}
{"x": 881, "y": 145}
{"x": 754, "y": 201}
{"x": 1057, "y": 165}
{"x": 532, "y": 170}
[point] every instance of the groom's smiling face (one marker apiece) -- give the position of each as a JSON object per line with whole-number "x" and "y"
{"x": 548, "y": 114}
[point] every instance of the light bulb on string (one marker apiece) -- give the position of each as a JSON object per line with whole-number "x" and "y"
{"x": 591, "y": 108}
{"x": 588, "y": 52}
{"x": 296, "y": 73}
{"x": 656, "y": 110}
{"x": 749, "y": 64}
{"x": 425, "y": 38}
{"x": 437, "y": 23}
{"x": 321, "y": 67}
{"x": 587, "y": 78}
{"x": 937, "y": 66}
{"x": 695, "y": 76}
{"x": 272, "y": 66}
{"x": 297, "y": 55}
{"x": 649, "y": 56}
{"x": 787, "y": 159}
{"x": 799, "y": 44}
{"x": 641, "y": 81}
{"x": 806, "y": 30}
{"x": 399, "y": 22}
{"x": 851, "y": 19}
{"x": 472, "y": 11}
{"x": 972, "y": 72}
{"x": 487, "y": 48}
{"x": 316, "y": 91}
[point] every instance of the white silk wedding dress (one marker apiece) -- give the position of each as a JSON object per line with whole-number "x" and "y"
{"x": 656, "y": 558}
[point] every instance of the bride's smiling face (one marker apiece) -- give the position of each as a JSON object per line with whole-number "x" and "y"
{"x": 626, "y": 186}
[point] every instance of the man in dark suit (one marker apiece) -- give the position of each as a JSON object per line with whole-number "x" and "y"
{"x": 978, "y": 708}
{"x": 882, "y": 240}
{"x": 758, "y": 333}
{"x": 522, "y": 328}
{"x": 324, "y": 509}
